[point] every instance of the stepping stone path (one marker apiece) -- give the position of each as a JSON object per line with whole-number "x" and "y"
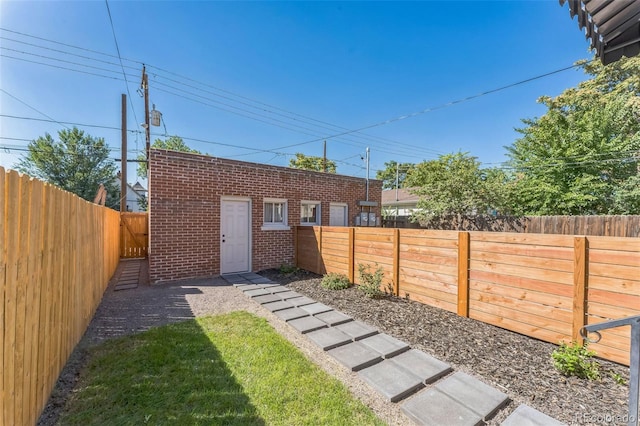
{"x": 129, "y": 277}
{"x": 426, "y": 388}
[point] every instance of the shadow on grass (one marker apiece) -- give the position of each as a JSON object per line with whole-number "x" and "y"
{"x": 167, "y": 375}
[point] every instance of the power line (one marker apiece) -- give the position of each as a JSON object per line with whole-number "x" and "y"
{"x": 346, "y": 132}
{"x": 68, "y": 45}
{"x": 370, "y": 137}
{"x": 64, "y": 52}
{"x": 124, "y": 74}
{"x": 33, "y": 108}
{"x": 2, "y": 55}
{"x": 444, "y": 105}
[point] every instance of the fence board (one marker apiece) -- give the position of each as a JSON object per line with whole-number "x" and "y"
{"x": 561, "y": 253}
{"x": 539, "y": 297}
{"x": 56, "y": 251}
{"x": 560, "y": 289}
{"x": 522, "y": 271}
{"x": 3, "y": 288}
{"x": 414, "y": 276}
{"x": 12, "y": 208}
{"x": 530, "y": 261}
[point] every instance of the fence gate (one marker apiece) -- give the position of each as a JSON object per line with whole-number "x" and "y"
{"x": 134, "y": 234}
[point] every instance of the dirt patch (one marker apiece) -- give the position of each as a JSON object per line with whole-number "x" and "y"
{"x": 516, "y": 364}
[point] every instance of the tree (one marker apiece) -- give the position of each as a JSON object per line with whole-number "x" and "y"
{"x": 172, "y": 143}
{"x": 392, "y": 170}
{"x": 77, "y": 163}
{"x": 310, "y": 162}
{"x": 581, "y": 156}
{"x": 455, "y": 185}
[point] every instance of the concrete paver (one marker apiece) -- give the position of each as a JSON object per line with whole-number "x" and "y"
{"x": 277, "y": 289}
{"x": 288, "y": 295}
{"x": 291, "y": 313}
{"x": 250, "y": 287}
{"x": 257, "y": 292}
{"x": 391, "y": 380}
{"x": 301, "y": 301}
{"x": 355, "y": 356}
{"x": 357, "y": 330}
{"x": 333, "y": 318}
{"x": 307, "y": 324}
{"x": 476, "y": 395}
{"x": 428, "y": 368}
{"x": 316, "y": 308}
{"x": 260, "y": 280}
{"x": 278, "y": 306}
{"x": 328, "y": 338}
{"x": 527, "y": 416}
{"x": 432, "y": 407}
{"x": 387, "y": 346}
{"x": 267, "y": 298}
{"x": 235, "y": 279}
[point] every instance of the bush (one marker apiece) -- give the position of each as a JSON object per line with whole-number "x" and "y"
{"x": 334, "y": 281}
{"x": 575, "y": 360}
{"x": 370, "y": 282}
{"x": 288, "y": 269}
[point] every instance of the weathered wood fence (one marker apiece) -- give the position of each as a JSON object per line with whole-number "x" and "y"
{"x": 604, "y": 226}
{"x": 543, "y": 286}
{"x": 57, "y": 254}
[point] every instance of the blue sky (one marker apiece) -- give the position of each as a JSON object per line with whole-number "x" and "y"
{"x": 253, "y": 78}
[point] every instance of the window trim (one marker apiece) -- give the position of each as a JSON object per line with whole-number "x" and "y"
{"x": 318, "y": 221}
{"x": 276, "y": 226}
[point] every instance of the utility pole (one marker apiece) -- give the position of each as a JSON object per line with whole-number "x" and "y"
{"x": 144, "y": 85}
{"x": 397, "y": 185}
{"x": 367, "y": 174}
{"x": 324, "y": 158}
{"x": 123, "y": 164}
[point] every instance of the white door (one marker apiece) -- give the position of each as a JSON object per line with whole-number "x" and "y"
{"x": 337, "y": 215}
{"x": 235, "y": 245}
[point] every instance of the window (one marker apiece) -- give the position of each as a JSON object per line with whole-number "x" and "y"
{"x": 310, "y": 213}
{"x": 275, "y": 214}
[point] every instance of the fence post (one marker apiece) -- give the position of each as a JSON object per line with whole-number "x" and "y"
{"x": 295, "y": 246}
{"x": 352, "y": 232}
{"x": 580, "y": 282}
{"x": 396, "y": 261}
{"x": 463, "y": 274}
{"x": 319, "y": 255}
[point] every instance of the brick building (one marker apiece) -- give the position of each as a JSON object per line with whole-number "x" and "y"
{"x": 210, "y": 216}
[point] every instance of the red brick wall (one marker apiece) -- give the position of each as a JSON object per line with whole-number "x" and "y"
{"x": 185, "y": 192}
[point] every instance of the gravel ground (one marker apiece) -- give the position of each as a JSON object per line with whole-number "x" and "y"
{"x": 127, "y": 312}
{"x": 515, "y": 364}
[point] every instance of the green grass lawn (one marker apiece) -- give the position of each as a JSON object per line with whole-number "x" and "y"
{"x": 229, "y": 369}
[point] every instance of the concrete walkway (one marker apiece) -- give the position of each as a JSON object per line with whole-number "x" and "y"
{"x": 429, "y": 391}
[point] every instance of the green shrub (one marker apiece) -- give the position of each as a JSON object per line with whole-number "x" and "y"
{"x": 575, "y": 360}
{"x": 334, "y": 281}
{"x": 370, "y": 282}
{"x": 288, "y": 269}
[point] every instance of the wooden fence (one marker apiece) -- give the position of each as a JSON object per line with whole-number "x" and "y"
{"x": 543, "y": 286}
{"x": 57, "y": 254}
{"x": 134, "y": 235}
{"x": 604, "y": 226}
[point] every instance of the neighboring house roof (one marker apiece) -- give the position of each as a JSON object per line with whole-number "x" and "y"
{"x": 138, "y": 188}
{"x": 613, "y": 26}
{"x": 403, "y": 197}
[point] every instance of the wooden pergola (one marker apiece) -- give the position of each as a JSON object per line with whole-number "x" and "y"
{"x": 612, "y": 26}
